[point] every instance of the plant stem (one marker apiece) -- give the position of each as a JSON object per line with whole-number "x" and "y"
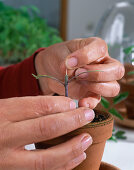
{"x": 66, "y": 84}
{"x": 38, "y": 76}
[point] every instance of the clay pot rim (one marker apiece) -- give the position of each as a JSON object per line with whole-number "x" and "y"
{"x": 99, "y": 124}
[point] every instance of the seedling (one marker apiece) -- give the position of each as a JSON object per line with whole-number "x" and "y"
{"x": 67, "y": 80}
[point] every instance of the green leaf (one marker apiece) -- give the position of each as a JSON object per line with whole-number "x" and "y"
{"x": 18, "y": 30}
{"x": 120, "y": 97}
{"x": 105, "y": 103}
{"x": 113, "y": 130}
{"x": 120, "y": 135}
{"x": 46, "y": 76}
{"x": 114, "y": 112}
{"x": 130, "y": 73}
{"x": 128, "y": 50}
{"x": 113, "y": 138}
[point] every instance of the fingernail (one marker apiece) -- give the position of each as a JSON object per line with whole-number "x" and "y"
{"x": 72, "y": 105}
{"x": 71, "y": 62}
{"x": 81, "y": 70}
{"x": 80, "y": 158}
{"x": 89, "y": 115}
{"x": 86, "y": 142}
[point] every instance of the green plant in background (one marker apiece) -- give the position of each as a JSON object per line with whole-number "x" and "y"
{"x": 116, "y": 100}
{"x": 117, "y": 135}
{"x": 22, "y": 32}
{"x": 128, "y": 52}
{"x": 111, "y": 109}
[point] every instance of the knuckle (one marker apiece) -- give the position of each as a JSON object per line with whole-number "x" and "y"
{"x": 48, "y": 128}
{"x": 44, "y": 105}
{"x": 65, "y": 167}
{"x": 115, "y": 90}
{"x": 76, "y": 150}
{"x": 98, "y": 76}
{"x": 78, "y": 118}
{"x": 120, "y": 72}
{"x": 6, "y": 136}
{"x": 41, "y": 163}
{"x": 41, "y": 129}
{"x": 103, "y": 48}
{"x": 82, "y": 43}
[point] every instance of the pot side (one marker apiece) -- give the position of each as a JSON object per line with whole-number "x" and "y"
{"x": 100, "y": 132}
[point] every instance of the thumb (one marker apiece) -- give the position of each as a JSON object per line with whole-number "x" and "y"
{"x": 85, "y": 54}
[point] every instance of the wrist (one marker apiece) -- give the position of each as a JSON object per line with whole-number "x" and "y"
{"x": 39, "y": 67}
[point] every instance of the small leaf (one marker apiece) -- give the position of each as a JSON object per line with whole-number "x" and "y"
{"x": 113, "y": 130}
{"x": 128, "y": 50}
{"x": 35, "y": 76}
{"x": 130, "y": 73}
{"x": 113, "y": 138}
{"x": 120, "y": 97}
{"x": 114, "y": 112}
{"x": 105, "y": 103}
{"x": 120, "y": 135}
{"x": 46, "y": 76}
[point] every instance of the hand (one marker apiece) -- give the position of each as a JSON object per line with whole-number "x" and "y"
{"x": 78, "y": 56}
{"x": 34, "y": 119}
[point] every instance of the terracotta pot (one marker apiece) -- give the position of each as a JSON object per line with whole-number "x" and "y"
{"x": 106, "y": 166}
{"x": 126, "y": 85}
{"x": 100, "y": 132}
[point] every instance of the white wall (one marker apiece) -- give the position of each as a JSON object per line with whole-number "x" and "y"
{"x": 82, "y": 13}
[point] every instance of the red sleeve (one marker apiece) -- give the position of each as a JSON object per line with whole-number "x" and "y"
{"x": 17, "y": 80}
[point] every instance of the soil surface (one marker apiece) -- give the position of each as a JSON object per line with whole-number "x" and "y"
{"x": 99, "y": 117}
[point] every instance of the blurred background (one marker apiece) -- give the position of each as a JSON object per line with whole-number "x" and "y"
{"x": 27, "y": 25}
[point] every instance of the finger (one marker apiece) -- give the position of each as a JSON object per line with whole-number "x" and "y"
{"x": 75, "y": 162}
{"x": 107, "y": 89}
{"x": 18, "y": 109}
{"x": 57, "y": 156}
{"x": 91, "y": 101}
{"x": 109, "y": 71}
{"x": 87, "y": 54}
{"x": 49, "y": 127}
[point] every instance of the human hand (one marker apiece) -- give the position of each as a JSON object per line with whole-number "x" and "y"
{"x": 29, "y": 120}
{"x": 78, "y": 56}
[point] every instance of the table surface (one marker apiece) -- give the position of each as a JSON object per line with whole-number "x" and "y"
{"x": 121, "y": 154}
